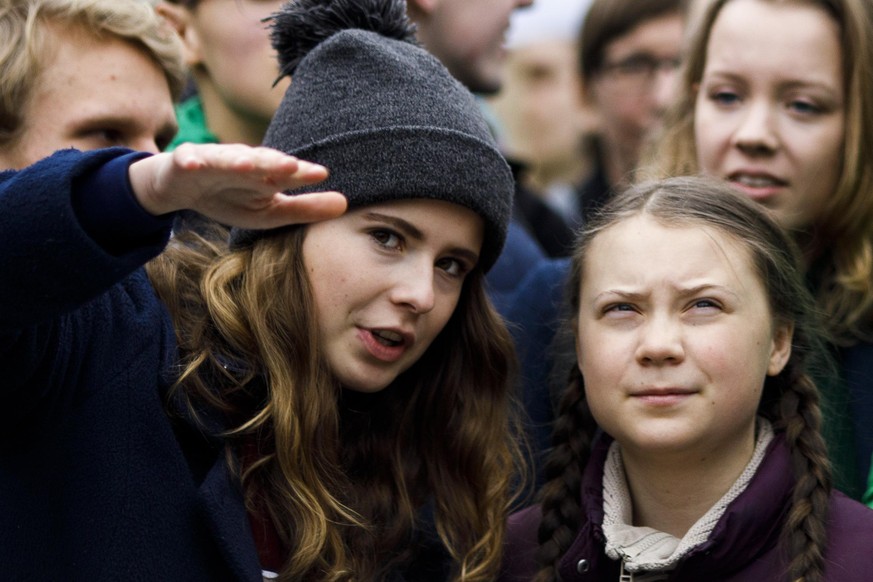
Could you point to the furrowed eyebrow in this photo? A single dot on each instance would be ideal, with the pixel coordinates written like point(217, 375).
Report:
point(619, 294)
point(697, 289)
point(683, 292)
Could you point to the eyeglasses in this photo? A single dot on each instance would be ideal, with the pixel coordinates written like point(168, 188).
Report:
point(639, 69)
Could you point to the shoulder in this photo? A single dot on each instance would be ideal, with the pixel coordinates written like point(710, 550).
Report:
point(519, 551)
point(850, 539)
point(849, 518)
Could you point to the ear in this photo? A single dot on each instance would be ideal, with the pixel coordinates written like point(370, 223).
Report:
point(780, 351)
point(179, 18)
point(421, 7)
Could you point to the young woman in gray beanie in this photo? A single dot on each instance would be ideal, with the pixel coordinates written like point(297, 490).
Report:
point(320, 402)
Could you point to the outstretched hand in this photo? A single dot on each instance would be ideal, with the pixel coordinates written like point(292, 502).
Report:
point(234, 184)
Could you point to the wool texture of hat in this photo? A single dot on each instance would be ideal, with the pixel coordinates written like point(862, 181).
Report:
point(382, 114)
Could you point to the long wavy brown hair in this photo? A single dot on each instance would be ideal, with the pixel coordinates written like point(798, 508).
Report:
point(842, 239)
point(342, 476)
point(790, 400)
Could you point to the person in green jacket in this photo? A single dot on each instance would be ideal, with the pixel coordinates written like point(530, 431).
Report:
point(868, 496)
point(233, 70)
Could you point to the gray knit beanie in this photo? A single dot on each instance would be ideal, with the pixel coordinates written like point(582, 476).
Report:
point(382, 114)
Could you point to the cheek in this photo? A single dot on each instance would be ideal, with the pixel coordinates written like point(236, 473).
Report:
point(628, 114)
point(707, 137)
point(332, 282)
point(737, 369)
point(237, 49)
point(825, 159)
point(601, 358)
point(442, 313)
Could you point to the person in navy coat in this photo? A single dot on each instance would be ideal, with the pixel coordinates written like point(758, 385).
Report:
point(325, 395)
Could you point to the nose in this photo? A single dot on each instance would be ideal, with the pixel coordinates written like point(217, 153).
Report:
point(756, 133)
point(660, 342)
point(414, 288)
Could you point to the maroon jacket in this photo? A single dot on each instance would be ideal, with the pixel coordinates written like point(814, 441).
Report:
point(743, 546)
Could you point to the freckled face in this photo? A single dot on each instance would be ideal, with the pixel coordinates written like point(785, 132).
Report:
point(93, 93)
point(675, 338)
point(386, 279)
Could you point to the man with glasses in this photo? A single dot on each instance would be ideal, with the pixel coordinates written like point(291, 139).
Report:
point(628, 56)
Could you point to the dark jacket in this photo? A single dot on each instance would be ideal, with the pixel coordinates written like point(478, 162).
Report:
point(856, 366)
point(95, 482)
point(550, 230)
point(743, 547)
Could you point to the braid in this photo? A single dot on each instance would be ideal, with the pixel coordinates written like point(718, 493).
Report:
point(804, 533)
point(560, 496)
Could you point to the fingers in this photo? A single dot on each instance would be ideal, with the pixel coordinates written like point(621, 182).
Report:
point(308, 207)
point(238, 158)
point(287, 175)
point(272, 166)
point(218, 177)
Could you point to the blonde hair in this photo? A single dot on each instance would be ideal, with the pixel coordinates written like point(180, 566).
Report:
point(342, 477)
point(843, 233)
point(23, 30)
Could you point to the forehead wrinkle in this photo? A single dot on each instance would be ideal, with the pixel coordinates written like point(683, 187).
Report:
point(717, 238)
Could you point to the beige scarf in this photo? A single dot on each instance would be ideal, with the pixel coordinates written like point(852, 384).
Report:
point(648, 555)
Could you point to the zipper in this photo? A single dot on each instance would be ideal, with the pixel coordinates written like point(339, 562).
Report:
point(624, 575)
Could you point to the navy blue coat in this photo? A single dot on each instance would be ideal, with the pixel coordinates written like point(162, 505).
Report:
point(95, 481)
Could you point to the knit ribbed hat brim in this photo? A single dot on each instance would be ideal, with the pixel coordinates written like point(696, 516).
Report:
point(390, 123)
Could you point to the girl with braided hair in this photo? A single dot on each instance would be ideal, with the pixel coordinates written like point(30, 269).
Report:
point(688, 444)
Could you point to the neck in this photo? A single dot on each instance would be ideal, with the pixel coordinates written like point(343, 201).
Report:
point(670, 492)
point(571, 171)
point(618, 162)
point(228, 125)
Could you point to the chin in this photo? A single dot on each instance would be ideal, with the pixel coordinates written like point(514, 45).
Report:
point(365, 388)
point(366, 385)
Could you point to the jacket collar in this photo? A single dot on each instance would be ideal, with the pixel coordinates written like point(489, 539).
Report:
point(750, 526)
point(219, 497)
point(220, 500)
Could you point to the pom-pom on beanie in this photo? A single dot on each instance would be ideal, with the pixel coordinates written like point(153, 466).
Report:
point(382, 114)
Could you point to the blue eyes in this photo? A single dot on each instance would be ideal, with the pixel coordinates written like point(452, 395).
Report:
point(804, 107)
point(725, 98)
point(731, 99)
point(695, 306)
